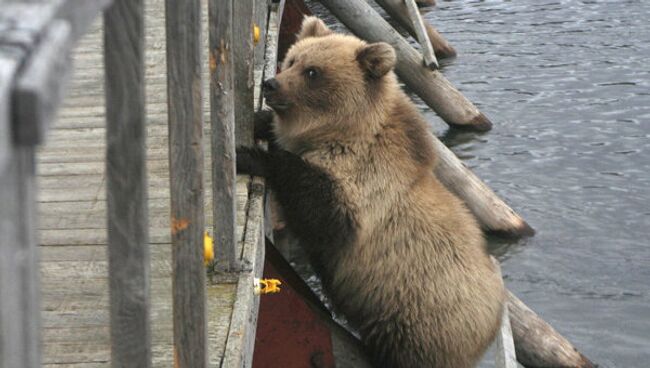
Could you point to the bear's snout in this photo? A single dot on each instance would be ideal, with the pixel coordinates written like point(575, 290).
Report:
point(271, 85)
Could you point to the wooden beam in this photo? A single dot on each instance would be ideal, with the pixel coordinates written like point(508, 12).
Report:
point(242, 52)
point(434, 89)
point(222, 118)
point(493, 214)
point(417, 24)
point(184, 93)
point(126, 184)
point(537, 343)
point(398, 12)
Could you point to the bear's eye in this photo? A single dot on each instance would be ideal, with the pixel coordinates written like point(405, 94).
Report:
point(291, 62)
point(311, 73)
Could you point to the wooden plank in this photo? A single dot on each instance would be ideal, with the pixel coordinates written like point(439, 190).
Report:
point(39, 88)
point(423, 38)
point(242, 52)
point(222, 118)
point(20, 320)
point(19, 280)
point(183, 26)
point(434, 89)
point(126, 183)
point(241, 336)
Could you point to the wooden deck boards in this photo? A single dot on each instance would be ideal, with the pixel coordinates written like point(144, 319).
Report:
point(72, 215)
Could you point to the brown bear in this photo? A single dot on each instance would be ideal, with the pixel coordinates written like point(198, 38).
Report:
point(400, 256)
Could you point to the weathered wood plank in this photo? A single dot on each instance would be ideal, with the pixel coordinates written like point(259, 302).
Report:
point(434, 89)
point(241, 336)
point(222, 119)
point(126, 183)
point(19, 280)
point(242, 53)
point(183, 25)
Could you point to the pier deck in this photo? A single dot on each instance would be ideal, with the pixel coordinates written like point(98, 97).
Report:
point(72, 216)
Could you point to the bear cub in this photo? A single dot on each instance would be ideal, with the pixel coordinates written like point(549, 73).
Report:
point(399, 255)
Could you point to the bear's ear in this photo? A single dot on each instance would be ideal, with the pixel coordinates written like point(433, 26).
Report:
point(377, 59)
point(313, 27)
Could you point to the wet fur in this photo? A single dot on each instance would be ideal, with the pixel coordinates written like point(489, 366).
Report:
point(399, 255)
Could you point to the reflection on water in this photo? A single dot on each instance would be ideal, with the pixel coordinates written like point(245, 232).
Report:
point(567, 86)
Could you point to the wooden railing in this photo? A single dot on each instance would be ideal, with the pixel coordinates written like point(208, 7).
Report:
point(35, 44)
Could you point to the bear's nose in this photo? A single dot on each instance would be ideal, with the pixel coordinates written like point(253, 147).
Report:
point(271, 85)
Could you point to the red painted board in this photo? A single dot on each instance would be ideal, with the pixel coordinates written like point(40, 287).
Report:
point(291, 331)
point(294, 12)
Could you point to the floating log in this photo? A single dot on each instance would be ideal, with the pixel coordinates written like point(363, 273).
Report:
point(417, 23)
point(493, 214)
point(398, 11)
point(434, 89)
point(537, 344)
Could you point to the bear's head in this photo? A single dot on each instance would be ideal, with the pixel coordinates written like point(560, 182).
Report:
point(330, 83)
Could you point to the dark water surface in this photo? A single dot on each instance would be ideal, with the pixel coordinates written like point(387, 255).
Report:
point(567, 86)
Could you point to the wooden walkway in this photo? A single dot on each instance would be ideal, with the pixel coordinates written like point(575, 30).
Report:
point(72, 214)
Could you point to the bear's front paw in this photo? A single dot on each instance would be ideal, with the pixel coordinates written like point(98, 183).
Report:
point(251, 161)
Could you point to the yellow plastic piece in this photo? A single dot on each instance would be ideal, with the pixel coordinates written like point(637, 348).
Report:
point(267, 286)
point(208, 249)
point(256, 34)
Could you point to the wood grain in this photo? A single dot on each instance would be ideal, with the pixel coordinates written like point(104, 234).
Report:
point(222, 118)
point(242, 52)
point(184, 91)
point(126, 183)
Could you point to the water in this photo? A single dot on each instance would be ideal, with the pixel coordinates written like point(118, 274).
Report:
point(567, 86)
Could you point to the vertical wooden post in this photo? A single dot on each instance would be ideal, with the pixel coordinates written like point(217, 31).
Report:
point(242, 31)
point(184, 94)
point(222, 117)
point(126, 184)
point(20, 314)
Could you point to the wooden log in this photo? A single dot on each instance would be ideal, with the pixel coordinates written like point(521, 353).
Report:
point(126, 184)
point(222, 118)
point(242, 52)
point(417, 24)
point(539, 345)
point(493, 214)
point(184, 91)
point(434, 89)
point(398, 11)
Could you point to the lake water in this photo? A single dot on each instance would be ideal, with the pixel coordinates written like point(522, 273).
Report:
point(567, 86)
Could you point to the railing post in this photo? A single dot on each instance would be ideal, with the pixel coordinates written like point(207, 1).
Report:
point(126, 184)
point(184, 96)
point(222, 117)
point(243, 50)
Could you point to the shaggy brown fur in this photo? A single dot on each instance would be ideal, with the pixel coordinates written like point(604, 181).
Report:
point(412, 274)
